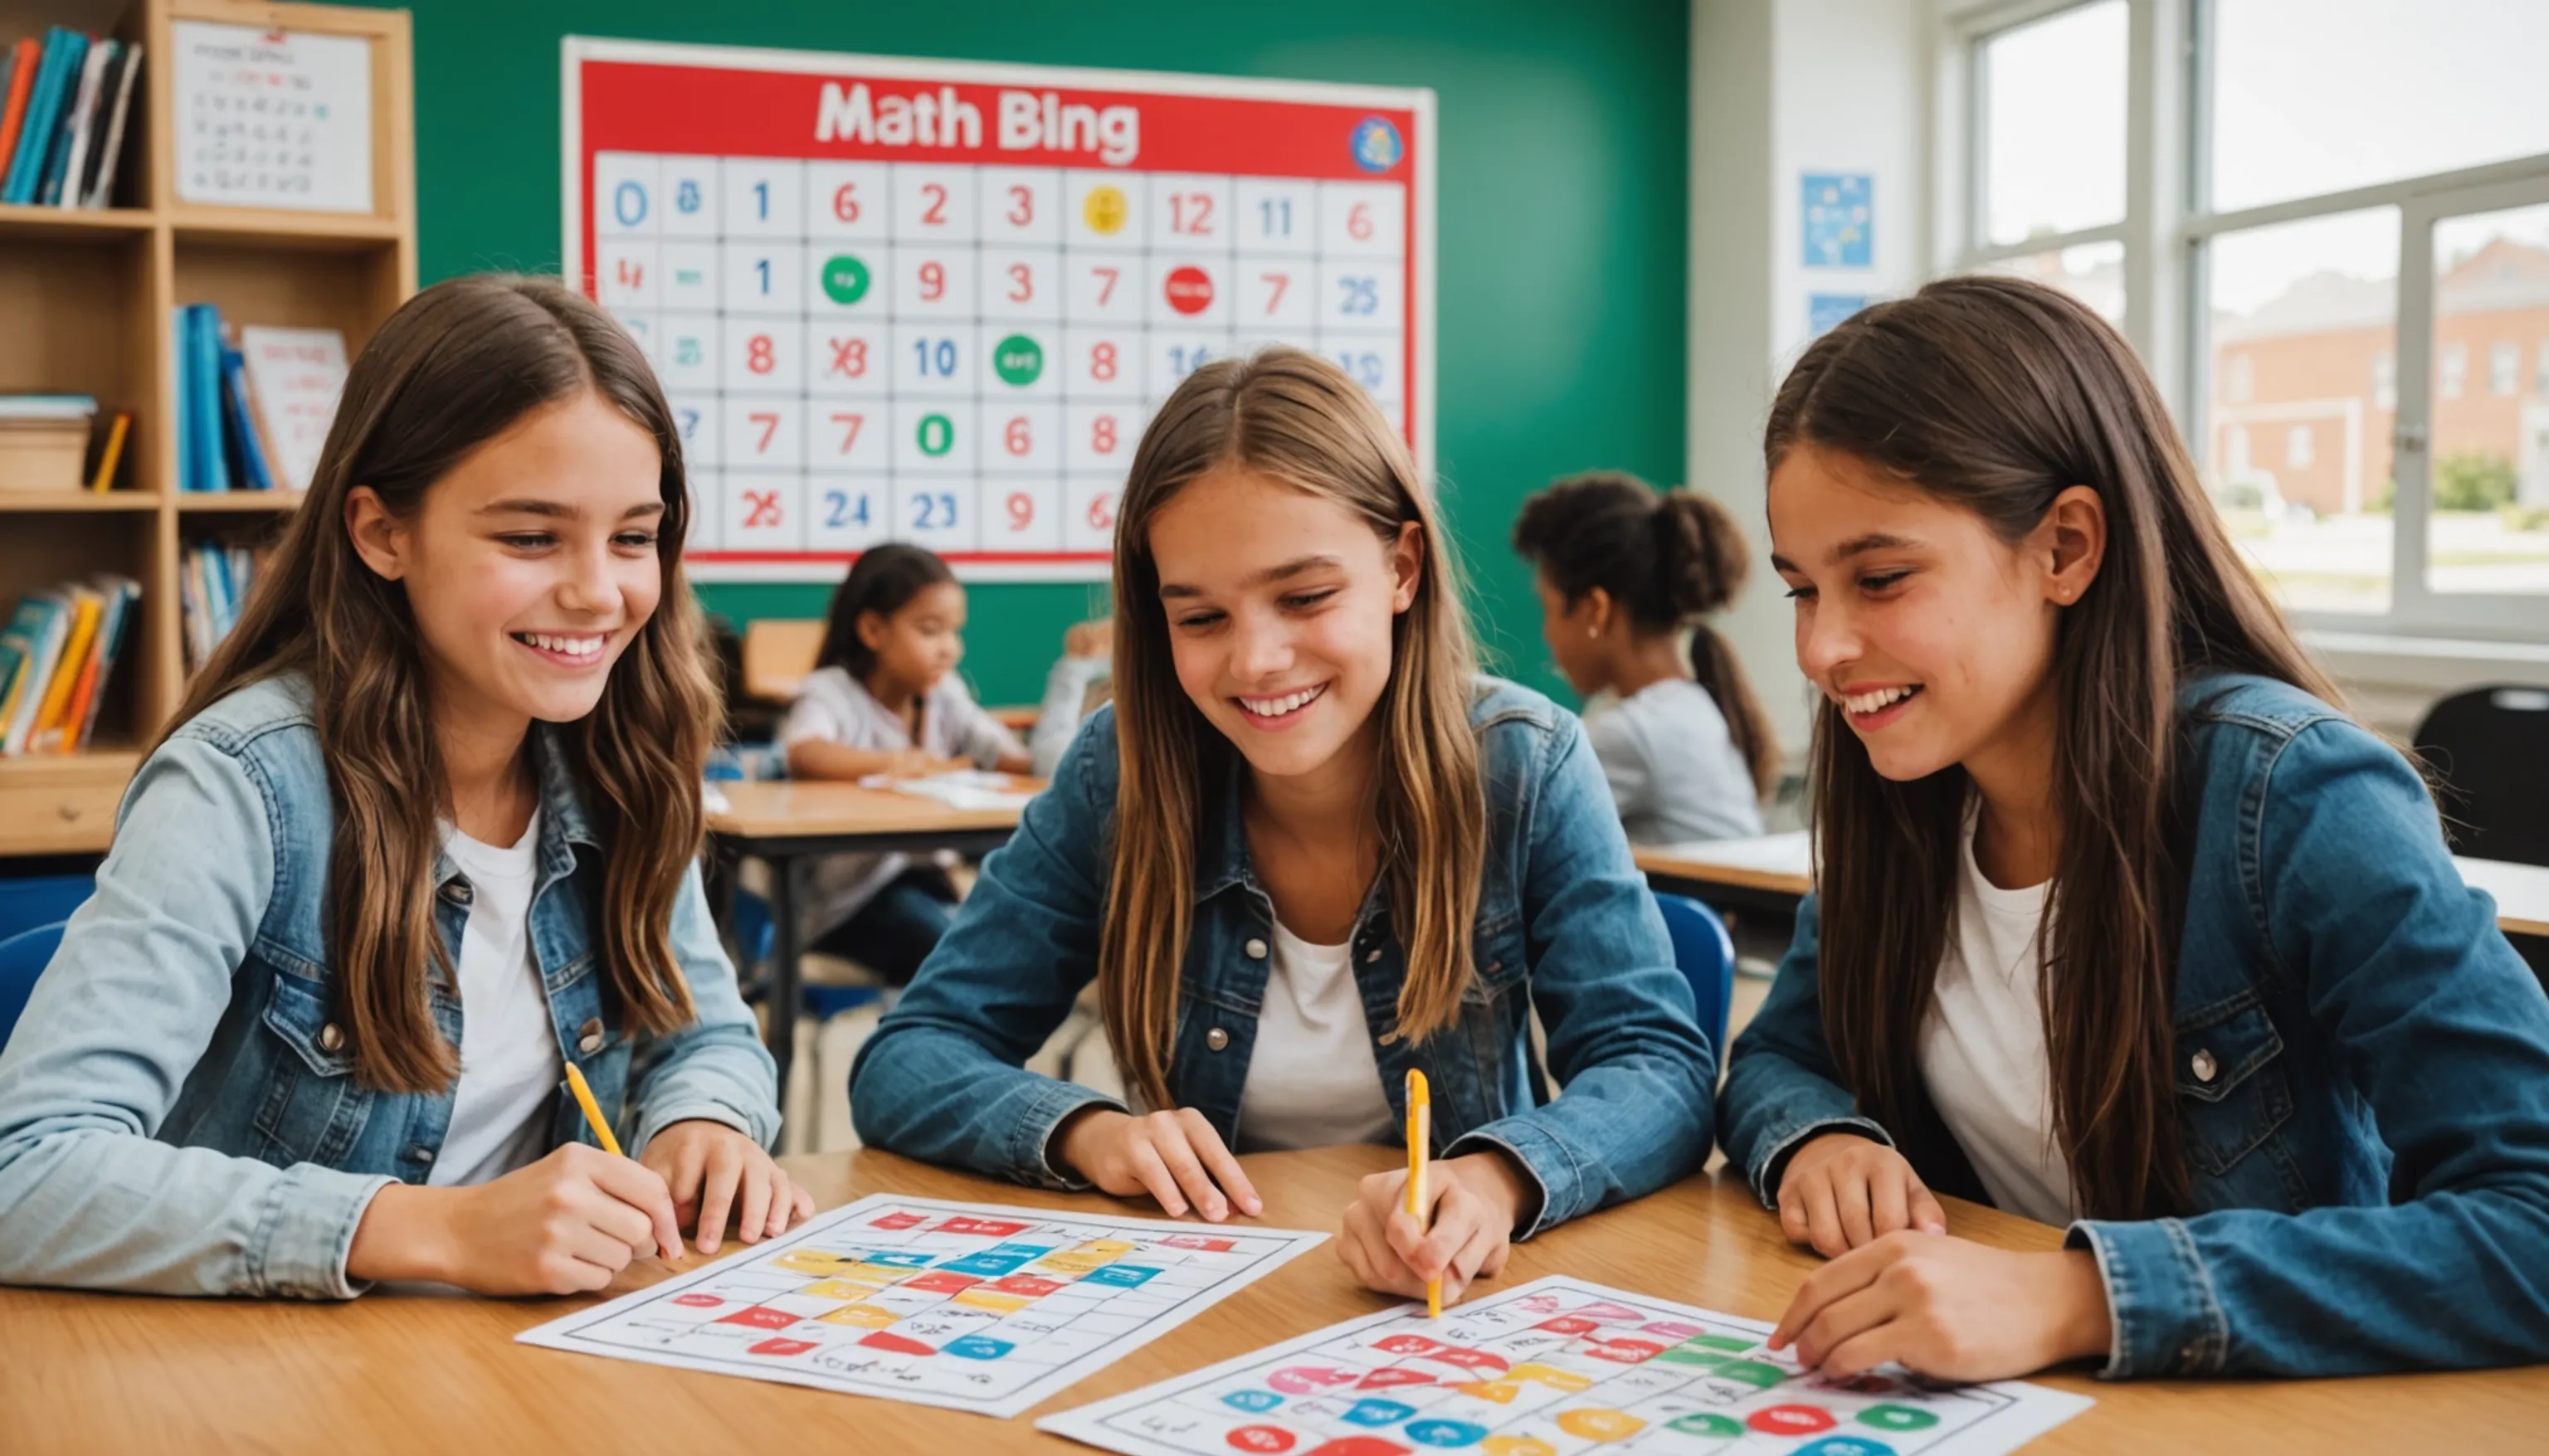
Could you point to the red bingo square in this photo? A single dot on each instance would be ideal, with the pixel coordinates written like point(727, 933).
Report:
point(937, 302)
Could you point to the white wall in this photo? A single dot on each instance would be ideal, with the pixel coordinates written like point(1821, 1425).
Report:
point(1780, 88)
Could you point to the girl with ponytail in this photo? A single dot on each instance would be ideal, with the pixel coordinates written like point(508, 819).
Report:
point(1623, 572)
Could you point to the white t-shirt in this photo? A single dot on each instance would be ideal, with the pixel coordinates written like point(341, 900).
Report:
point(1982, 1047)
point(835, 707)
point(1312, 1080)
point(1675, 771)
point(510, 1065)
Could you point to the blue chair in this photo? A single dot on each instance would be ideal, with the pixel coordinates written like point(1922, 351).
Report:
point(28, 902)
point(23, 957)
point(1705, 954)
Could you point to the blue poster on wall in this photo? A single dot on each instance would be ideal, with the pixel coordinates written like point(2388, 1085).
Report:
point(1839, 220)
point(1826, 310)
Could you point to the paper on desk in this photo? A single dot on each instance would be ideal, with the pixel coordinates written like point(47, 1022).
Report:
point(964, 788)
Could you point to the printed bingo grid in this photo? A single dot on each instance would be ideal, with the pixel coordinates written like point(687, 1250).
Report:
point(965, 356)
point(984, 1309)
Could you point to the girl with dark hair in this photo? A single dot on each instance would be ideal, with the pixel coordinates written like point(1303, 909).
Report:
point(1623, 572)
point(2121, 922)
point(423, 833)
point(885, 699)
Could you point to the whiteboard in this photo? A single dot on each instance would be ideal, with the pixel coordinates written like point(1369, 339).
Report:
point(937, 302)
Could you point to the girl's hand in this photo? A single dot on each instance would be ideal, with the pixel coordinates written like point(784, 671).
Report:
point(1476, 1201)
point(1841, 1192)
point(712, 1169)
point(1948, 1308)
point(1089, 639)
point(1174, 1156)
point(565, 1225)
point(919, 763)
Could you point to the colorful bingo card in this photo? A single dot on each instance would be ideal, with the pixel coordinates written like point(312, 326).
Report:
point(937, 303)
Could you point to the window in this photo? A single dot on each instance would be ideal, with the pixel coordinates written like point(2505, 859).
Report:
point(2324, 224)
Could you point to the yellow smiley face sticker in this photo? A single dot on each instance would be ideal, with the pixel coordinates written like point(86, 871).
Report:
point(1105, 210)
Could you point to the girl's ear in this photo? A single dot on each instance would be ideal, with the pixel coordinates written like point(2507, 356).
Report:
point(1406, 566)
point(871, 629)
point(1597, 608)
point(2072, 538)
point(378, 536)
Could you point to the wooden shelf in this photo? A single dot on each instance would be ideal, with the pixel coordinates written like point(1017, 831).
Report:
point(87, 295)
point(72, 503)
point(236, 503)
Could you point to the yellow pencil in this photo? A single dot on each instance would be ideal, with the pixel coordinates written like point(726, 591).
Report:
point(583, 1091)
point(1419, 1137)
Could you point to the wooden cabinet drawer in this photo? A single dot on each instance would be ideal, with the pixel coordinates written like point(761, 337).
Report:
point(65, 808)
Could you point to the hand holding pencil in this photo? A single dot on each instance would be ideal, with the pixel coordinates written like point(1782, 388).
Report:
point(1428, 1231)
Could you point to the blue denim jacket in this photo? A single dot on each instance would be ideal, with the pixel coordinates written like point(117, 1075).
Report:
point(2363, 1078)
point(1564, 924)
point(177, 1110)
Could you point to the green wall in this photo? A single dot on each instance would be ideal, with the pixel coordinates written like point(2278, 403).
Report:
point(1560, 263)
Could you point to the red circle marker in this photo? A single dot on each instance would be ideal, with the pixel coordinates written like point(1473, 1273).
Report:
point(1790, 1421)
point(1189, 290)
point(1268, 1440)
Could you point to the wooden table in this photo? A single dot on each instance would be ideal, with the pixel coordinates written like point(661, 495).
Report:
point(787, 822)
point(395, 1372)
point(1773, 870)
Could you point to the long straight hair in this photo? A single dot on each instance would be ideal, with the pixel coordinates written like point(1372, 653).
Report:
point(1294, 418)
point(456, 366)
point(1997, 395)
point(1668, 559)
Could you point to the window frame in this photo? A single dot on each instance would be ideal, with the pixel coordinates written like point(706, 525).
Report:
point(2166, 232)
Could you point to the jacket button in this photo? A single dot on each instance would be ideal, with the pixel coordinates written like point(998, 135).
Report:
point(1256, 950)
point(1372, 956)
point(1216, 1038)
point(2204, 1068)
point(458, 892)
point(331, 1038)
point(588, 1037)
point(419, 1153)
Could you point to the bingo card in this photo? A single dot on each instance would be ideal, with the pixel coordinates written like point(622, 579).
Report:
point(1554, 1368)
point(937, 302)
point(981, 1308)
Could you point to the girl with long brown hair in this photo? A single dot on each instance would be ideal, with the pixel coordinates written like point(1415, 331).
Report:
point(1307, 850)
point(2122, 922)
point(423, 836)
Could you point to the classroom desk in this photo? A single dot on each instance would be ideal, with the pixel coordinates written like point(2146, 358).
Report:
point(395, 1373)
point(1771, 872)
point(786, 822)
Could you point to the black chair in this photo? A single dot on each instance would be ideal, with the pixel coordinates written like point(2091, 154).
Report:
point(2488, 751)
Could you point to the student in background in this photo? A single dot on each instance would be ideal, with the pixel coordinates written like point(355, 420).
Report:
point(1072, 690)
point(885, 699)
point(424, 831)
point(1306, 849)
point(2122, 922)
point(1622, 572)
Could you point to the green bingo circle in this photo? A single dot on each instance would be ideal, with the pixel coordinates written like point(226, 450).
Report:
point(1019, 360)
point(845, 280)
point(1897, 1417)
point(937, 435)
point(1705, 1423)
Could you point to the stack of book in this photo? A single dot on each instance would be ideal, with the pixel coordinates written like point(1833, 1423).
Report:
point(220, 445)
point(212, 584)
point(55, 660)
point(49, 441)
point(62, 127)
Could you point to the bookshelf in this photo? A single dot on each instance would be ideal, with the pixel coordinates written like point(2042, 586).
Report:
point(89, 295)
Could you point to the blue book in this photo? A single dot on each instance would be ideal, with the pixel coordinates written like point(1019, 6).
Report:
point(57, 165)
point(242, 422)
point(36, 132)
point(204, 383)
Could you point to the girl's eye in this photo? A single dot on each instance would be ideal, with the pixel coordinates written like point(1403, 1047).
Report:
point(1199, 619)
point(1800, 593)
point(1305, 599)
point(1882, 581)
point(527, 540)
point(635, 540)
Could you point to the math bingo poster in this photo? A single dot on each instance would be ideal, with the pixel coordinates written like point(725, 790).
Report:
point(938, 303)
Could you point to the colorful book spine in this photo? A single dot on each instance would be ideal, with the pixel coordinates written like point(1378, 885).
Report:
point(64, 53)
point(25, 58)
point(42, 620)
point(111, 97)
point(257, 471)
point(110, 456)
point(121, 593)
point(102, 195)
point(71, 135)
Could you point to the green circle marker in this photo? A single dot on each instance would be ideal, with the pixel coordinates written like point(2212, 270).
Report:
point(1754, 1373)
point(1703, 1423)
point(937, 435)
point(1019, 360)
point(845, 280)
point(1897, 1417)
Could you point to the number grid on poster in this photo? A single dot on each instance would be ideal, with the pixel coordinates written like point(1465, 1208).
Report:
point(933, 303)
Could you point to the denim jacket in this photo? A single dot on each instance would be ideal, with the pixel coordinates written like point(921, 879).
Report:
point(2362, 1077)
point(177, 1108)
point(1564, 923)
